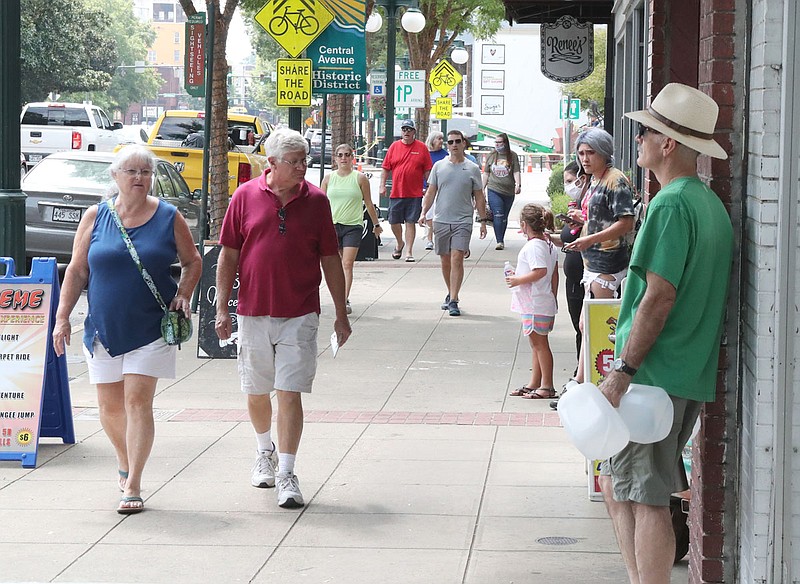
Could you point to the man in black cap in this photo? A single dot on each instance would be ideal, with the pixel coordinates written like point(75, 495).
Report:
point(410, 163)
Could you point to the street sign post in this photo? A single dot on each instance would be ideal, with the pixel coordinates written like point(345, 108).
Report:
point(194, 65)
point(444, 108)
point(444, 77)
point(571, 111)
point(294, 83)
point(409, 88)
point(294, 24)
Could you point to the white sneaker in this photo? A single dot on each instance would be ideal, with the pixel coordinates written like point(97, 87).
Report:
point(288, 489)
point(263, 474)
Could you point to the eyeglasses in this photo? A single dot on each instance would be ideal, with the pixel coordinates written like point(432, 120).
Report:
point(456, 141)
point(131, 172)
point(299, 163)
point(644, 129)
point(344, 154)
point(282, 217)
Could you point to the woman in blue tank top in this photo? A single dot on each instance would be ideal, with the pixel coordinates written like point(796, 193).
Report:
point(124, 350)
point(348, 192)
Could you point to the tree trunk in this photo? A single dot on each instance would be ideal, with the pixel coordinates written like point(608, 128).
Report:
point(218, 146)
point(340, 110)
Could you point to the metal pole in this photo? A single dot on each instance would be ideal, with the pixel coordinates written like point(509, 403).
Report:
point(212, 11)
point(324, 138)
point(12, 199)
point(391, 39)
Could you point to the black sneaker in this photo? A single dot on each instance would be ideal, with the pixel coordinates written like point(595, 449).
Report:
point(453, 308)
point(446, 303)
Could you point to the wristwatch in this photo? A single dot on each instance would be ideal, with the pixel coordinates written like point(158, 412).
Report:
point(621, 366)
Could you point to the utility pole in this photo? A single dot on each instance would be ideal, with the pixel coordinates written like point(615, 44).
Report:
point(12, 199)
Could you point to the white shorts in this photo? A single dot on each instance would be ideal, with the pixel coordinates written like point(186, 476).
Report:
point(613, 285)
point(277, 353)
point(157, 359)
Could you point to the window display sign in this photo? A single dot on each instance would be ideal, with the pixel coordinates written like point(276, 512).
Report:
point(30, 368)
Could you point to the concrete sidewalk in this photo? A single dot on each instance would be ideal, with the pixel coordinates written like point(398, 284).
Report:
point(415, 464)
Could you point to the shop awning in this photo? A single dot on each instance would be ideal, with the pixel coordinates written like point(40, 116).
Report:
point(528, 144)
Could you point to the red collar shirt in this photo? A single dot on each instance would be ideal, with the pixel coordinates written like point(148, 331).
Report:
point(279, 273)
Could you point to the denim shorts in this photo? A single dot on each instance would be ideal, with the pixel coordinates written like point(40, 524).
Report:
point(405, 210)
point(646, 473)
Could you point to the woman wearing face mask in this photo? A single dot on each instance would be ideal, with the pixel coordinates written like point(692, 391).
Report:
point(573, 263)
point(501, 179)
point(607, 208)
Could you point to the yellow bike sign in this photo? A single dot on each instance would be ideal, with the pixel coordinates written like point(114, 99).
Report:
point(444, 77)
point(294, 24)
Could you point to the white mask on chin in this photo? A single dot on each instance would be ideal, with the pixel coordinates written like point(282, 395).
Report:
point(573, 190)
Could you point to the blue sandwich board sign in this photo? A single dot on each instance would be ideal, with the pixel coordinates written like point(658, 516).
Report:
point(34, 387)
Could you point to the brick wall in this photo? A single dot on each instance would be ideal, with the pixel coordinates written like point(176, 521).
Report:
point(712, 513)
point(759, 276)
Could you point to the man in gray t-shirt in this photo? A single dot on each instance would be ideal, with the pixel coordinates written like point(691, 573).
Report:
point(453, 183)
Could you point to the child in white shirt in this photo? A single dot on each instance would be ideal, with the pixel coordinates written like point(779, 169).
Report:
point(534, 286)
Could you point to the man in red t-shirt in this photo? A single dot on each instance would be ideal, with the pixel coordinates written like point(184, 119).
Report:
point(277, 232)
point(410, 163)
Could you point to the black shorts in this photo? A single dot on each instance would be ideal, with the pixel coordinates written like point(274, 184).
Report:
point(349, 235)
point(405, 210)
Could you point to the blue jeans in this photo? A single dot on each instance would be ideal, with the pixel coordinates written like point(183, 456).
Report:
point(501, 207)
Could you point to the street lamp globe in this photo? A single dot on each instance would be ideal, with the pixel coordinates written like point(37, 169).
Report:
point(413, 20)
point(374, 22)
point(459, 55)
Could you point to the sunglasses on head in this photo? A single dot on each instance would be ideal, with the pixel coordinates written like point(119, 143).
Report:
point(644, 129)
point(456, 141)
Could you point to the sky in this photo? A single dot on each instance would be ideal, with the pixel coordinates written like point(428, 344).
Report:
point(238, 46)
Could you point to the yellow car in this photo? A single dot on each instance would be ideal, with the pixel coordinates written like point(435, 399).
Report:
point(178, 137)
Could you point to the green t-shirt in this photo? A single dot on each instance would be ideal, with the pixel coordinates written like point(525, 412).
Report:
point(687, 239)
point(347, 201)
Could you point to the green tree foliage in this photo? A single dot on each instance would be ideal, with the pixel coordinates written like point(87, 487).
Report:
point(445, 20)
point(593, 88)
point(66, 46)
point(132, 38)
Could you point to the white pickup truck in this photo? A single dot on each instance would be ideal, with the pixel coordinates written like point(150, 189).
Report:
point(46, 128)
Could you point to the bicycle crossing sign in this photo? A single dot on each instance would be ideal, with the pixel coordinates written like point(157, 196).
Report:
point(294, 24)
point(444, 77)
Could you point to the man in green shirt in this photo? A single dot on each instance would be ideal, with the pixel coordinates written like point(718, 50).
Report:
point(670, 321)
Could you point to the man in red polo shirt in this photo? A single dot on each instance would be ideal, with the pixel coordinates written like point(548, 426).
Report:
point(277, 232)
point(410, 163)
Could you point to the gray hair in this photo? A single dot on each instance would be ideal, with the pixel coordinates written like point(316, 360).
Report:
point(598, 140)
point(135, 152)
point(285, 140)
point(431, 137)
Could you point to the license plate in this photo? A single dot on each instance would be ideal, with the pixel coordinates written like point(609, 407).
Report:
point(66, 215)
point(34, 157)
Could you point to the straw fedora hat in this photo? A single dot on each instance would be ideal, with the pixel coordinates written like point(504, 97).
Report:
point(685, 115)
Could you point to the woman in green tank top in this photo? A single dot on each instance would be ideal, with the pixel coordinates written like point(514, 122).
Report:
point(349, 192)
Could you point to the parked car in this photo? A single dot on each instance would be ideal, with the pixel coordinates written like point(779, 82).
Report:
point(62, 186)
point(50, 127)
point(314, 138)
point(178, 136)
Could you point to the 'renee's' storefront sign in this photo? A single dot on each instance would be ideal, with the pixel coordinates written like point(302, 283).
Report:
point(567, 50)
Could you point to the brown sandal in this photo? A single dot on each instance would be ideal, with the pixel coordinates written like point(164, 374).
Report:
point(522, 391)
point(551, 393)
